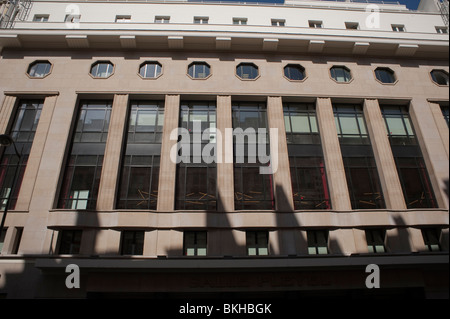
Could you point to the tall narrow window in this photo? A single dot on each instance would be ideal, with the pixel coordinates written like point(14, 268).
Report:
point(132, 243)
point(18, 231)
point(257, 243)
point(362, 176)
point(84, 166)
point(22, 132)
point(196, 173)
point(69, 242)
point(253, 190)
point(195, 243)
point(375, 240)
point(317, 242)
point(309, 182)
point(411, 167)
point(431, 238)
point(138, 187)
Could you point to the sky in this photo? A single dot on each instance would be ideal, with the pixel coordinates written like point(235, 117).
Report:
point(411, 4)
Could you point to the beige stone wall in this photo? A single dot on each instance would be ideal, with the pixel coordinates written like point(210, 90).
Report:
point(69, 82)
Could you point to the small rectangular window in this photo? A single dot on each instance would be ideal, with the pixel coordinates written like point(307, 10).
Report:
point(241, 21)
point(375, 240)
point(123, 19)
point(17, 240)
point(162, 19)
point(278, 22)
point(257, 243)
point(315, 24)
point(69, 242)
point(72, 18)
point(352, 25)
point(2, 239)
point(41, 18)
point(398, 28)
point(201, 20)
point(317, 242)
point(431, 238)
point(132, 243)
point(195, 243)
point(442, 30)
point(445, 113)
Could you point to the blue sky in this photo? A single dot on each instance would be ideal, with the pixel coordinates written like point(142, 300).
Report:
point(411, 4)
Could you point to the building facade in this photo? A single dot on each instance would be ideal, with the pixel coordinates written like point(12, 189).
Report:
point(135, 124)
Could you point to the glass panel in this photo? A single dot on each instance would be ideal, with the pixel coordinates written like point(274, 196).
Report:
point(380, 249)
point(263, 251)
point(146, 121)
point(300, 123)
point(395, 125)
point(94, 120)
point(313, 121)
point(349, 124)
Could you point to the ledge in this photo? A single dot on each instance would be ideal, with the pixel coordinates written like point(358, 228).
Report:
point(249, 264)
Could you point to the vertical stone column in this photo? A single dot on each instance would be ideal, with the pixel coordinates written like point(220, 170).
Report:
point(337, 182)
point(390, 182)
point(225, 174)
point(34, 159)
point(113, 150)
point(37, 238)
point(6, 112)
point(435, 156)
point(279, 155)
point(168, 168)
point(441, 124)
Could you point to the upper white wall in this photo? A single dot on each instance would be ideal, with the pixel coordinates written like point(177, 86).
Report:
point(223, 14)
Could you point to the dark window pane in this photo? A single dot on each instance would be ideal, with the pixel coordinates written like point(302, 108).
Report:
point(440, 77)
point(317, 242)
point(70, 242)
point(363, 183)
point(375, 240)
point(132, 243)
point(257, 243)
point(294, 72)
point(195, 243)
point(385, 75)
point(415, 182)
point(431, 238)
point(309, 183)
